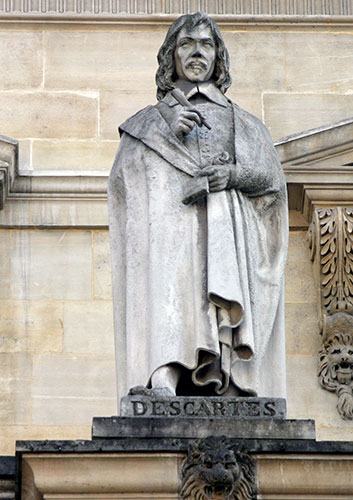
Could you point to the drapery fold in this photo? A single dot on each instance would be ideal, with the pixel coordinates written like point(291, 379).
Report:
point(198, 285)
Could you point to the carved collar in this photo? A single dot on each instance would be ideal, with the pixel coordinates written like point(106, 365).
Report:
point(190, 89)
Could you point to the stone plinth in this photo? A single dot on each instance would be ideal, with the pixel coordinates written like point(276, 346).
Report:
point(195, 428)
point(198, 407)
point(150, 468)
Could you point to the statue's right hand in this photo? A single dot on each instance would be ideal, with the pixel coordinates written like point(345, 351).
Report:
point(184, 121)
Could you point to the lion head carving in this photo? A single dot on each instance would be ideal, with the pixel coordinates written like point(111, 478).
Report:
point(335, 370)
point(213, 469)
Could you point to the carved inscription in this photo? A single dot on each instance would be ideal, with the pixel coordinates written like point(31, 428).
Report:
point(144, 406)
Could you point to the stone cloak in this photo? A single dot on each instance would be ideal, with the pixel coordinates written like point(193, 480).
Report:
point(191, 283)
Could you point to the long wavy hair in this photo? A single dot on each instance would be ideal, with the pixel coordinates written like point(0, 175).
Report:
point(166, 76)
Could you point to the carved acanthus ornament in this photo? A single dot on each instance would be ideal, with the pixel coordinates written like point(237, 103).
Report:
point(215, 469)
point(331, 241)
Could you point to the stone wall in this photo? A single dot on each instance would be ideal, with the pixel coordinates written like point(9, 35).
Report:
point(64, 89)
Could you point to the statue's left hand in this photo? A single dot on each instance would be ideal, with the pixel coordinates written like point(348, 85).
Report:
point(219, 176)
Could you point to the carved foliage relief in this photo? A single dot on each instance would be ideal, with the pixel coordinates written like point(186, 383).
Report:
point(331, 242)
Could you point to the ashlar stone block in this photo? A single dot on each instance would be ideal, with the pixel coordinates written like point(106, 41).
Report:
point(73, 155)
point(88, 327)
point(15, 394)
point(257, 60)
point(71, 389)
point(31, 326)
point(302, 329)
point(51, 264)
point(116, 107)
point(251, 102)
point(319, 62)
point(291, 113)
point(102, 265)
point(299, 283)
point(48, 114)
point(111, 60)
point(21, 60)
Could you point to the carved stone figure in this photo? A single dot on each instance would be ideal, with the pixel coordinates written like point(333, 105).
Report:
point(214, 469)
point(331, 242)
point(198, 220)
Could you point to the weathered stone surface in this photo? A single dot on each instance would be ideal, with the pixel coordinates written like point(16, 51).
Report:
point(70, 389)
point(251, 102)
point(151, 427)
point(21, 60)
point(102, 266)
point(11, 433)
point(88, 327)
point(116, 107)
point(51, 265)
point(15, 380)
point(111, 59)
point(73, 155)
point(290, 113)
point(302, 329)
point(172, 328)
point(322, 62)
point(300, 286)
point(48, 114)
point(62, 212)
point(210, 407)
point(246, 49)
point(8, 166)
point(31, 326)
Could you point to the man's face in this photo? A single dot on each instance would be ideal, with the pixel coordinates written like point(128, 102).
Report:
point(195, 54)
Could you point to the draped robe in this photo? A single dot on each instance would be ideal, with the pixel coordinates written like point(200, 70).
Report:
point(199, 285)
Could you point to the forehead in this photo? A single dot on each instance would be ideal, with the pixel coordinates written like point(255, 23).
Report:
point(198, 33)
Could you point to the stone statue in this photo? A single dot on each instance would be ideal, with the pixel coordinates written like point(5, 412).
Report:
point(198, 220)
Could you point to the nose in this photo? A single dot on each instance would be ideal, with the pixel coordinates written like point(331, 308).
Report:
point(197, 50)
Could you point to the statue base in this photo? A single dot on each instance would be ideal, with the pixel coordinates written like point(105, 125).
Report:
point(151, 417)
point(199, 407)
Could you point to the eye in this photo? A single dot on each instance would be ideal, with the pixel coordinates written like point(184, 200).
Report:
point(229, 465)
point(208, 465)
point(184, 43)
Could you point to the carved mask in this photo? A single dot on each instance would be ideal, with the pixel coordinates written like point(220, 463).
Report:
point(341, 363)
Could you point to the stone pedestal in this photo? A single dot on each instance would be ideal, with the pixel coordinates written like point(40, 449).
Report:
point(143, 457)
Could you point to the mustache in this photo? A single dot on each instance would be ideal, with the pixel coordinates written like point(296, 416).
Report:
point(199, 63)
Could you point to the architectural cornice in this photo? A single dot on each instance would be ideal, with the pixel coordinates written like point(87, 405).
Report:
point(311, 146)
point(333, 12)
point(8, 166)
point(309, 187)
point(79, 199)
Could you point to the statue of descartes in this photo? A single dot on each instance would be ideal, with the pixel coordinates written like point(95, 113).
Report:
point(198, 220)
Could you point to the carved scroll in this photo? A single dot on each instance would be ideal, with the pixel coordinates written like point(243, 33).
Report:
point(214, 469)
point(331, 241)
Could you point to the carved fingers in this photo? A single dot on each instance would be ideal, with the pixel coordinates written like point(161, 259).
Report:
point(185, 121)
point(218, 176)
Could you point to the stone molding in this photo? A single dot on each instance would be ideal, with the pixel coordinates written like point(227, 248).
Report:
point(8, 166)
point(150, 476)
point(151, 11)
point(79, 199)
point(310, 147)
